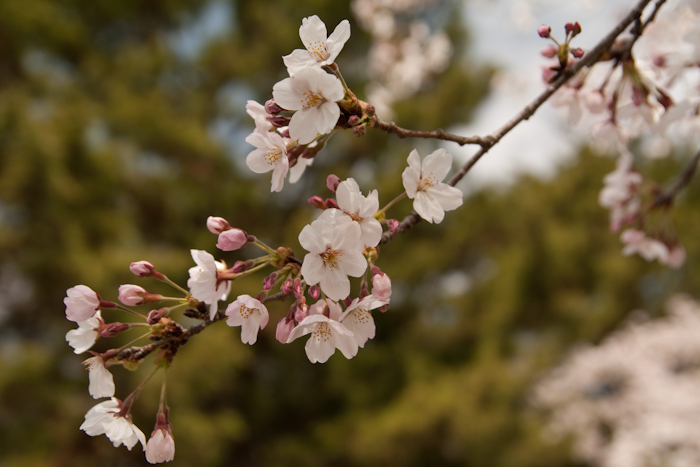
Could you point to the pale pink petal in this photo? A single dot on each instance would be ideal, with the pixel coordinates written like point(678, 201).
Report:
point(302, 126)
point(312, 31)
point(438, 163)
point(353, 263)
point(335, 284)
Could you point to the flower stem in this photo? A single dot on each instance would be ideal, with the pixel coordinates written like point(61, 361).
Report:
point(265, 248)
point(129, 310)
point(390, 204)
point(167, 280)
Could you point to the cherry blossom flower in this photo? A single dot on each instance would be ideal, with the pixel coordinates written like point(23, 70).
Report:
point(299, 168)
point(636, 241)
point(312, 94)
point(81, 303)
point(160, 447)
point(203, 282)
point(271, 154)
point(284, 329)
point(320, 49)
point(333, 242)
point(358, 318)
point(101, 380)
point(250, 314)
point(216, 225)
point(105, 418)
point(621, 192)
point(259, 114)
point(361, 209)
point(86, 335)
point(423, 182)
point(327, 334)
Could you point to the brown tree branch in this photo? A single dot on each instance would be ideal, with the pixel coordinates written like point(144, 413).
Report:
point(491, 140)
point(667, 197)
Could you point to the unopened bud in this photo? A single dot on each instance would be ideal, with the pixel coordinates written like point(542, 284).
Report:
point(142, 269)
point(284, 329)
point(131, 295)
point(576, 30)
point(568, 27)
point(216, 225)
point(353, 120)
point(550, 51)
point(269, 281)
point(317, 202)
point(154, 316)
point(394, 225)
point(375, 270)
point(113, 329)
point(384, 308)
point(285, 133)
point(315, 292)
point(272, 108)
point(278, 121)
point(381, 287)
point(370, 110)
point(332, 182)
point(296, 289)
point(544, 31)
point(286, 287)
point(232, 239)
point(359, 130)
point(331, 203)
point(577, 53)
point(240, 266)
point(301, 312)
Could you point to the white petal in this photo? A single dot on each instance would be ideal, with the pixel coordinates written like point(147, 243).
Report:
point(447, 196)
point(298, 60)
point(348, 196)
point(302, 126)
point(371, 231)
point(344, 341)
point(410, 181)
point(257, 162)
point(337, 39)
point(427, 208)
point(313, 268)
point(335, 284)
point(438, 163)
point(353, 263)
point(312, 30)
point(311, 238)
point(327, 117)
point(278, 175)
point(286, 94)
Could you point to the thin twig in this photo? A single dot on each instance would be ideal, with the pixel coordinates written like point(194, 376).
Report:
point(667, 197)
point(589, 59)
point(391, 127)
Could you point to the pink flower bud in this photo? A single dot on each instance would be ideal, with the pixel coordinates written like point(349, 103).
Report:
point(550, 51)
point(576, 29)
point(353, 120)
point(142, 269)
point(332, 182)
point(269, 281)
point(577, 53)
point(548, 74)
point(375, 270)
point(131, 295)
point(568, 27)
point(381, 287)
point(317, 202)
point(160, 447)
point(370, 110)
point(285, 133)
point(359, 130)
point(81, 303)
point(154, 316)
point(301, 312)
point(272, 108)
point(216, 225)
point(384, 308)
point(331, 203)
point(394, 225)
point(286, 287)
point(544, 31)
point(113, 329)
point(240, 266)
point(232, 239)
point(278, 121)
point(296, 289)
point(284, 329)
point(314, 291)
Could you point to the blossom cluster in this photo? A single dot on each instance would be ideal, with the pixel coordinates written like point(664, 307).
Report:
point(633, 399)
point(648, 94)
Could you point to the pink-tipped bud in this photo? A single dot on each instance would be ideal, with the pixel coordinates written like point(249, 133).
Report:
point(132, 295)
point(272, 108)
point(113, 329)
point(568, 27)
point(394, 225)
point(332, 182)
point(286, 287)
point(359, 131)
point(381, 287)
point(278, 121)
point(269, 281)
point(315, 292)
point(284, 329)
point(331, 203)
point(550, 51)
point(370, 110)
point(285, 133)
point(659, 61)
point(364, 291)
point(142, 269)
point(576, 29)
point(544, 31)
point(216, 225)
point(240, 266)
point(577, 53)
point(296, 289)
point(548, 74)
point(301, 312)
point(232, 239)
point(353, 120)
point(154, 316)
point(384, 308)
point(375, 270)
point(317, 202)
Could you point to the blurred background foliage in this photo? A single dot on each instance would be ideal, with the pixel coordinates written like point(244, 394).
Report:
point(122, 128)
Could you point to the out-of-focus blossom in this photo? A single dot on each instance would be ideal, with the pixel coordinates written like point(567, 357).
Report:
point(105, 418)
point(270, 155)
point(361, 209)
point(203, 282)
